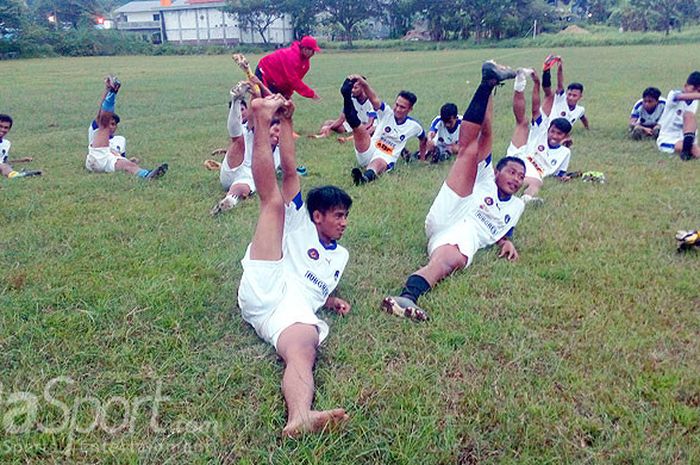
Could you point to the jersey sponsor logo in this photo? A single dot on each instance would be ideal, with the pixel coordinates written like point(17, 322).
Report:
point(313, 254)
point(385, 147)
point(507, 219)
point(535, 164)
point(325, 290)
point(387, 129)
point(486, 220)
point(488, 201)
point(540, 148)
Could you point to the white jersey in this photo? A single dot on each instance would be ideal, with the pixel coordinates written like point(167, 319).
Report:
point(546, 160)
point(390, 137)
point(249, 136)
point(672, 119)
point(443, 136)
point(492, 218)
point(116, 143)
point(310, 265)
point(365, 111)
point(560, 109)
point(643, 117)
point(4, 150)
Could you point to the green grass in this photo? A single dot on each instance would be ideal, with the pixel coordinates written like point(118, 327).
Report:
point(585, 351)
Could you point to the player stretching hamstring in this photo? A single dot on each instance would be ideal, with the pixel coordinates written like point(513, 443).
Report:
point(470, 212)
point(379, 152)
point(292, 266)
point(678, 123)
point(5, 167)
point(100, 157)
point(537, 142)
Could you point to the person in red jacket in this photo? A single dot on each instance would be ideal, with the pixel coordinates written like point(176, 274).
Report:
point(282, 71)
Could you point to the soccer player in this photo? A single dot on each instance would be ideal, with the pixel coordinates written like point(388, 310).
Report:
point(469, 212)
point(443, 137)
point(379, 152)
point(292, 266)
point(646, 113)
point(364, 110)
point(101, 157)
point(562, 104)
point(5, 167)
point(235, 172)
point(678, 123)
point(537, 141)
point(282, 71)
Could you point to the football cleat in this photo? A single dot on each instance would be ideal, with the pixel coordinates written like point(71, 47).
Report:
point(493, 73)
point(157, 172)
point(113, 83)
point(550, 61)
point(226, 204)
point(593, 176)
point(358, 177)
point(239, 90)
point(687, 240)
point(401, 306)
point(28, 174)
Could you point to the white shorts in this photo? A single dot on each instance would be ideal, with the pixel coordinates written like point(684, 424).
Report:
point(269, 305)
point(519, 152)
point(101, 160)
point(238, 175)
point(346, 127)
point(444, 224)
point(667, 143)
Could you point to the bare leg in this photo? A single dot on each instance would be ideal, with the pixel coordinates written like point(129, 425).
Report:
point(267, 239)
point(522, 127)
point(532, 186)
point(378, 165)
point(5, 169)
point(486, 134)
point(444, 261)
point(297, 347)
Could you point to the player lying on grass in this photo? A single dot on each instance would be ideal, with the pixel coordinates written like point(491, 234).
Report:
point(443, 137)
point(646, 113)
point(365, 112)
point(470, 211)
point(379, 152)
point(101, 157)
point(292, 266)
point(536, 140)
point(562, 104)
point(678, 124)
point(235, 172)
point(5, 166)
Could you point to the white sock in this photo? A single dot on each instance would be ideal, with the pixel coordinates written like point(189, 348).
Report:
point(526, 198)
point(235, 127)
point(520, 80)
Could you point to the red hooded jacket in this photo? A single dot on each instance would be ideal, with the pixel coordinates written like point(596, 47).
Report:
point(284, 69)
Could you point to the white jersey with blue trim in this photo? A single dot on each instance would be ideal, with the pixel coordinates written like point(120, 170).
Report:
point(4, 150)
point(390, 137)
point(443, 136)
point(116, 143)
point(248, 139)
point(489, 217)
point(314, 267)
point(643, 117)
point(560, 109)
point(672, 119)
point(365, 111)
point(546, 160)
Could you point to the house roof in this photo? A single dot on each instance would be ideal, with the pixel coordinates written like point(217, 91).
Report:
point(154, 5)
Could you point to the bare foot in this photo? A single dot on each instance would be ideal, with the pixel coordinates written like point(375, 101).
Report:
point(267, 106)
point(316, 422)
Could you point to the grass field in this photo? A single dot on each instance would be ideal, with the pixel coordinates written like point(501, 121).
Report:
point(115, 291)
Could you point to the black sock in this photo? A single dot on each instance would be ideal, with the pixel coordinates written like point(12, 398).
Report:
point(415, 287)
point(477, 107)
point(688, 139)
point(547, 79)
point(370, 175)
point(348, 107)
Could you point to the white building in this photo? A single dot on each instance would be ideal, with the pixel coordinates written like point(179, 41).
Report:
point(198, 22)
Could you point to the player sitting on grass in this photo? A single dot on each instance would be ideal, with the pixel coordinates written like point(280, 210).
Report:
point(292, 266)
point(470, 212)
point(5, 167)
point(646, 113)
point(379, 152)
point(235, 173)
point(678, 123)
point(443, 137)
point(101, 158)
point(562, 104)
point(365, 112)
point(537, 141)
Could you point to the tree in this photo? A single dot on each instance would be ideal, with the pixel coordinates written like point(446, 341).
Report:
point(258, 14)
point(11, 14)
point(303, 13)
point(64, 12)
point(399, 15)
point(348, 13)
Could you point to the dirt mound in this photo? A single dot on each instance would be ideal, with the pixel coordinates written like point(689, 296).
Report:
point(574, 29)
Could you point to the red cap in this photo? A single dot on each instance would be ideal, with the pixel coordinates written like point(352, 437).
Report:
point(309, 42)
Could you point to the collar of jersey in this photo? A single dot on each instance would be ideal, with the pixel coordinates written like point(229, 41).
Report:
point(504, 199)
point(553, 146)
point(331, 246)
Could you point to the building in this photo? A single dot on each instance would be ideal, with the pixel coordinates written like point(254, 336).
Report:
point(195, 22)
